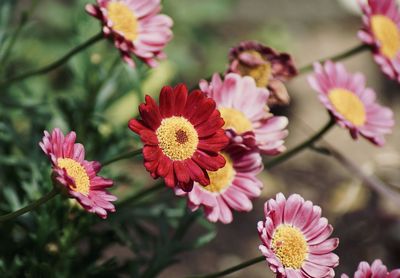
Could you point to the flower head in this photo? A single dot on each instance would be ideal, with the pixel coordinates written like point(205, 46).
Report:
point(75, 174)
point(381, 31)
point(268, 68)
point(242, 106)
point(135, 26)
point(351, 103)
point(376, 270)
point(182, 137)
point(295, 238)
point(231, 187)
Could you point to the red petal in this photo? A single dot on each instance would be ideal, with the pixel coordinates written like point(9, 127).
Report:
point(151, 153)
point(150, 113)
point(136, 126)
point(203, 111)
point(165, 166)
point(148, 137)
point(208, 127)
point(187, 187)
point(214, 143)
point(170, 180)
point(196, 173)
point(181, 172)
point(193, 102)
point(181, 95)
point(167, 101)
point(211, 162)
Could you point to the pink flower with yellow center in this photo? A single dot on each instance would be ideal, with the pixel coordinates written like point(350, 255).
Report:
point(376, 270)
point(135, 26)
point(295, 238)
point(242, 106)
point(231, 187)
point(381, 30)
point(269, 68)
point(75, 174)
point(351, 103)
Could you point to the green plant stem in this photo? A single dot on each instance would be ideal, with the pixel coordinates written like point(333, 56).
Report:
point(232, 269)
point(30, 207)
point(121, 157)
point(306, 144)
point(355, 50)
point(56, 63)
point(140, 194)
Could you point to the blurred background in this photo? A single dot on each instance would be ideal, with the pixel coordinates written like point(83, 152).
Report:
point(367, 224)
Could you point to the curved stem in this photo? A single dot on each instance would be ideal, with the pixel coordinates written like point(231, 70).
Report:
point(338, 57)
point(56, 63)
point(232, 269)
point(121, 157)
point(30, 207)
point(140, 194)
point(308, 143)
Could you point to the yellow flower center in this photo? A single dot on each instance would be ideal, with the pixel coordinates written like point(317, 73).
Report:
point(290, 246)
point(348, 105)
point(222, 178)
point(387, 33)
point(260, 73)
point(177, 138)
point(235, 120)
point(123, 19)
point(76, 171)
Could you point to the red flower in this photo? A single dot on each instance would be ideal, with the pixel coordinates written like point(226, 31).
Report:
point(182, 137)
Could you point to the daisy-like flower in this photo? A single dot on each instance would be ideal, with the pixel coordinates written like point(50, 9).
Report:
point(242, 106)
point(182, 137)
point(77, 176)
point(351, 103)
point(268, 67)
point(295, 238)
point(135, 26)
point(381, 31)
point(376, 270)
point(231, 187)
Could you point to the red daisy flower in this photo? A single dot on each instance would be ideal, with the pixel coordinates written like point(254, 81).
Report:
point(182, 137)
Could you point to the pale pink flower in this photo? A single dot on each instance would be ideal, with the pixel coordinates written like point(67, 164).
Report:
point(77, 176)
point(231, 188)
point(352, 104)
point(376, 270)
point(135, 26)
point(242, 106)
point(381, 31)
point(295, 238)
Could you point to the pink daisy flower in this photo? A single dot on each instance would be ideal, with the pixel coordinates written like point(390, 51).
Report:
point(295, 238)
point(75, 174)
point(242, 106)
point(376, 270)
point(381, 20)
point(351, 104)
point(135, 26)
point(268, 67)
point(231, 187)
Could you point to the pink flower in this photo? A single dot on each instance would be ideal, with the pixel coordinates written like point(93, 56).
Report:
point(268, 67)
point(295, 238)
point(351, 103)
point(77, 175)
point(376, 270)
point(242, 106)
point(231, 187)
point(381, 31)
point(135, 26)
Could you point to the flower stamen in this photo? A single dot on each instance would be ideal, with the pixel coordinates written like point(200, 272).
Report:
point(78, 173)
point(123, 19)
point(349, 105)
point(387, 33)
point(236, 120)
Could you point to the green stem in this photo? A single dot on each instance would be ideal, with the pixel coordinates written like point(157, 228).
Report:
point(308, 143)
point(30, 207)
point(56, 63)
point(121, 157)
point(232, 269)
point(338, 57)
point(140, 194)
